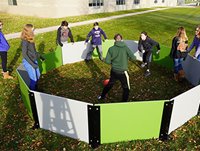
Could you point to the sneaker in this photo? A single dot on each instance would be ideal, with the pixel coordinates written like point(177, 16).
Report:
point(147, 73)
point(143, 65)
point(87, 60)
point(100, 97)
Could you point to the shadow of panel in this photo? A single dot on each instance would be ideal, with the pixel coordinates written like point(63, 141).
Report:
point(23, 83)
point(64, 116)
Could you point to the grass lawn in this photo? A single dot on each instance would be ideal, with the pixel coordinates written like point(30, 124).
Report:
point(84, 81)
point(11, 26)
point(15, 123)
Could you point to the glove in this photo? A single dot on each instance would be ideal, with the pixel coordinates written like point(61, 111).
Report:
point(143, 51)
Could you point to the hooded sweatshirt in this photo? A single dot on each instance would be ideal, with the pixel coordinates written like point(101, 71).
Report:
point(4, 46)
point(96, 36)
point(196, 44)
point(118, 56)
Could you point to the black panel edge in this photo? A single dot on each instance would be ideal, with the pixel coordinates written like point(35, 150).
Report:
point(166, 117)
point(198, 112)
point(94, 125)
point(34, 110)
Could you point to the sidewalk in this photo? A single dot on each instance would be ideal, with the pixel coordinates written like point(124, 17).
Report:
point(53, 28)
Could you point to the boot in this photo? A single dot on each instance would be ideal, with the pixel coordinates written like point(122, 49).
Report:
point(176, 77)
point(181, 74)
point(6, 75)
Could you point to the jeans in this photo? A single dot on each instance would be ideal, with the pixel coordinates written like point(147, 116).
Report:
point(198, 57)
point(34, 74)
point(99, 51)
point(178, 65)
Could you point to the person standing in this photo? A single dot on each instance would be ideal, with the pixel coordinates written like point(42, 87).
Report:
point(96, 41)
point(117, 57)
point(196, 43)
point(146, 45)
point(178, 52)
point(4, 47)
point(30, 55)
point(63, 33)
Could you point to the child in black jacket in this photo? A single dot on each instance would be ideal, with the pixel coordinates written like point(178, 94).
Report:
point(145, 45)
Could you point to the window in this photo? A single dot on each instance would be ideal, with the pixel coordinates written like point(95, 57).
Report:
point(136, 2)
point(95, 3)
point(155, 1)
point(120, 2)
point(12, 2)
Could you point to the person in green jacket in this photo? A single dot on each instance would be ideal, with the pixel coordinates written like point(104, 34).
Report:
point(117, 57)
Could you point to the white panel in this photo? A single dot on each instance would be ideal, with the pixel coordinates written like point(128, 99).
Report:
point(133, 45)
point(185, 107)
point(77, 52)
point(74, 52)
point(191, 67)
point(64, 116)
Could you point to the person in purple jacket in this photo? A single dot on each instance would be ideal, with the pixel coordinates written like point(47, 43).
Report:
point(196, 43)
point(96, 41)
point(4, 47)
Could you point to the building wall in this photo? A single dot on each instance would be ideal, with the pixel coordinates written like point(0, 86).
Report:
point(62, 8)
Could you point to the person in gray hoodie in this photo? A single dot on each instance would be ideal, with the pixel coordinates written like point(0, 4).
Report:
point(117, 57)
point(63, 33)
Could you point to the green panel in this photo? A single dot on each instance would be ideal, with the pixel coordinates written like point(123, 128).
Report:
point(25, 94)
point(52, 60)
point(105, 46)
point(163, 58)
point(130, 121)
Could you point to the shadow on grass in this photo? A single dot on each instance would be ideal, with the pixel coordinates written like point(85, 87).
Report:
point(15, 59)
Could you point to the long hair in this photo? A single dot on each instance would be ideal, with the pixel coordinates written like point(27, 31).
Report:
point(27, 33)
point(181, 34)
point(198, 34)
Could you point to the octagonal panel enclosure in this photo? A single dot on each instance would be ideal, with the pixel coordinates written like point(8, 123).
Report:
point(110, 122)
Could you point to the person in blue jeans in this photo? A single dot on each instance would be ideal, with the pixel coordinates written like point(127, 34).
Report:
point(4, 47)
point(196, 43)
point(96, 41)
point(30, 55)
point(179, 52)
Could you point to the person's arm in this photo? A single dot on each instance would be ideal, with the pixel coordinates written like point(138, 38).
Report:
point(88, 36)
point(70, 35)
point(25, 52)
point(173, 48)
point(140, 47)
point(58, 37)
point(191, 46)
point(103, 33)
point(130, 54)
point(108, 57)
point(154, 43)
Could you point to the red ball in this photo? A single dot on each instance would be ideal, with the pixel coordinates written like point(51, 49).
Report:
point(105, 82)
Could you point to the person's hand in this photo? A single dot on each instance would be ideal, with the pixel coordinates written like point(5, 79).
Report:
point(157, 52)
point(143, 51)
